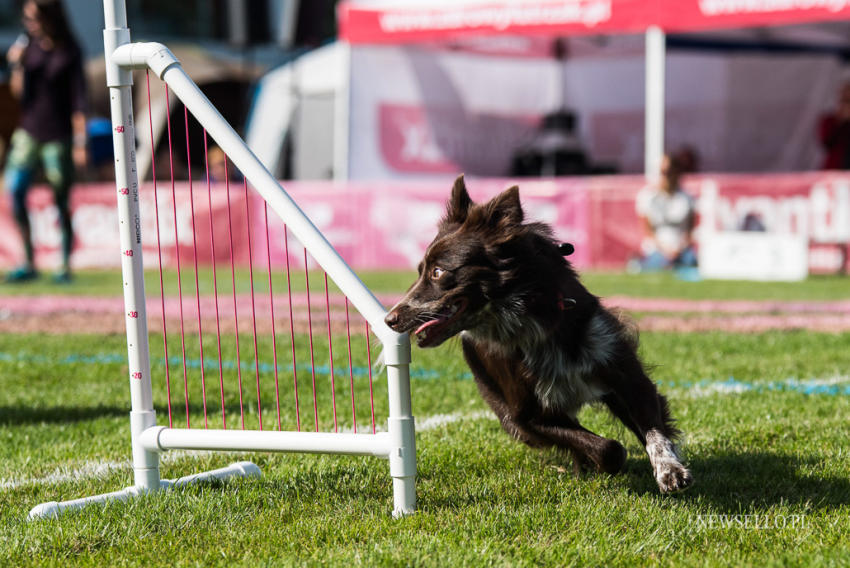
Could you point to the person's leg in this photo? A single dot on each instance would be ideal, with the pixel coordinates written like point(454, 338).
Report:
point(688, 258)
point(654, 262)
point(685, 267)
point(59, 171)
point(17, 176)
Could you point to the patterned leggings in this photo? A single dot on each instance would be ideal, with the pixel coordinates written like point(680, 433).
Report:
point(24, 155)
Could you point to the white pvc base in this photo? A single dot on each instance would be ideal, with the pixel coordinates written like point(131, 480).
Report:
point(52, 509)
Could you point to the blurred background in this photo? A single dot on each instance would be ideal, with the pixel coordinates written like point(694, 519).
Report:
point(368, 109)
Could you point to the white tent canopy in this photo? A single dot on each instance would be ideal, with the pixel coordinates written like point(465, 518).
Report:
point(382, 73)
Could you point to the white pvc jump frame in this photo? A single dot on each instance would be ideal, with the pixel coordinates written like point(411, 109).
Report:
point(148, 439)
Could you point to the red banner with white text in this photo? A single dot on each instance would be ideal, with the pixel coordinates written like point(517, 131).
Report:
point(695, 15)
point(415, 23)
point(411, 22)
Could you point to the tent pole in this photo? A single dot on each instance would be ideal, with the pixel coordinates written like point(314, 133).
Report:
point(342, 117)
point(654, 112)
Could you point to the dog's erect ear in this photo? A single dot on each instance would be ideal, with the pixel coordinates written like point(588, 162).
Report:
point(458, 206)
point(505, 208)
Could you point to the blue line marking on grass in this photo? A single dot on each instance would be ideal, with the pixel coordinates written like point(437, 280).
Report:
point(210, 364)
point(838, 385)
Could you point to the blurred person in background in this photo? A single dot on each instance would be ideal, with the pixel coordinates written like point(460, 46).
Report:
point(47, 78)
point(8, 117)
point(834, 133)
point(667, 215)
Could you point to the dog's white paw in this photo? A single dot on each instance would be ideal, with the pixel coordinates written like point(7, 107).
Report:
point(670, 474)
point(672, 477)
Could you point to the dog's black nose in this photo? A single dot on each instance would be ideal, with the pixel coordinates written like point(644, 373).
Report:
point(391, 319)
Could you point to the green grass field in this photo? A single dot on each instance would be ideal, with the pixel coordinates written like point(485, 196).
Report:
point(766, 417)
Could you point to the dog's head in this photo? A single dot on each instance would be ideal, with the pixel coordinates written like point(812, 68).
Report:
point(468, 269)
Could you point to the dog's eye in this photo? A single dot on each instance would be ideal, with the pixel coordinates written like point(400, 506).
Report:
point(437, 273)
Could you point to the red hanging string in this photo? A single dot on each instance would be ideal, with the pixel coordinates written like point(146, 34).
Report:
point(291, 328)
point(369, 357)
point(215, 284)
point(271, 308)
point(310, 331)
point(350, 366)
point(195, 259)
point(177, 255)
point(233, 284)
point(159, 252)
point(331, 354)
point(253, 305)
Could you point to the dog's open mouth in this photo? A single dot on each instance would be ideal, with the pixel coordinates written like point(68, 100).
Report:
point(433, 331)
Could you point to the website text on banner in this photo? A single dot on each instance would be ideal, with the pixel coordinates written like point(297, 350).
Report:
point(416, 22)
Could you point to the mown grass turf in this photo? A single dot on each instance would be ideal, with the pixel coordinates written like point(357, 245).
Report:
point(772, 467)
point(94, 282)
point(664, 284)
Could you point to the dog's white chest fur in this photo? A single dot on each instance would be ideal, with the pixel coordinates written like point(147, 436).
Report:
point(567, 383)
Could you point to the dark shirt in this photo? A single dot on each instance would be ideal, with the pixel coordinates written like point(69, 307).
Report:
point(835, 137)
point(54, 89)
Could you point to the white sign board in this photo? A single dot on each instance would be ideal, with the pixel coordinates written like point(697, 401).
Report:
point(752, 255)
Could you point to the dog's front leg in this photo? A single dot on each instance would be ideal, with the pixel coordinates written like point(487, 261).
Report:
point(638, 404)
point(493, 394)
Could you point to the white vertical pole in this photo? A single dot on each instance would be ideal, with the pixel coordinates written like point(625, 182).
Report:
point(654, 111)
point(342, 118)
point(142, 415)
point(401, 428)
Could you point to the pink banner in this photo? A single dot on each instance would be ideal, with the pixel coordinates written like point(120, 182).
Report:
point(388, 225)
point(383, 225)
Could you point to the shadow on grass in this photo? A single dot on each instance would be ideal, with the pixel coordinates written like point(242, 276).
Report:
point(18, 415)
point(736, 482)
point(61, 414)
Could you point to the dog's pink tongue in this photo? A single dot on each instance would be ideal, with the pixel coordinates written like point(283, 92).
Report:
point(428, 324)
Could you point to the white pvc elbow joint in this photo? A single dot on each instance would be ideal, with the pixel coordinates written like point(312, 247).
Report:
point(151, 55)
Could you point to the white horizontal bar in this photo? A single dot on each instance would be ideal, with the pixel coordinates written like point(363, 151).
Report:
point(159, 439)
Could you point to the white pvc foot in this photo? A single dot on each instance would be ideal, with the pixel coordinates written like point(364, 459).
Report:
point(52, 509)
point(239, 469)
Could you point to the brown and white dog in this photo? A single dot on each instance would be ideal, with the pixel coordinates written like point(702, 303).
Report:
point(539, 344)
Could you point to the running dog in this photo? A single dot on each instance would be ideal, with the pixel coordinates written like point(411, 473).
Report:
point(539, 344)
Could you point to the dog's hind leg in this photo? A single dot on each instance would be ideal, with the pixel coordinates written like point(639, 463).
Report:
point(607, 455)
point(639, 405)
